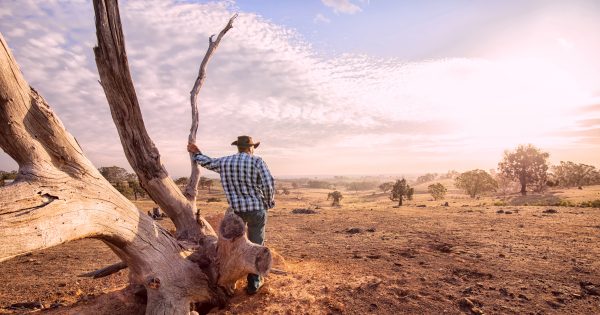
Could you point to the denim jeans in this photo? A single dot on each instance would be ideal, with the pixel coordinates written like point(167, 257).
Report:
point(256, 221)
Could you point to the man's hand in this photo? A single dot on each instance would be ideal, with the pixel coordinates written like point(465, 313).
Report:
point(192, 148)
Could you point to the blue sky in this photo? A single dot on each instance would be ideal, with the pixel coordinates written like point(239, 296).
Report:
point(332, 86)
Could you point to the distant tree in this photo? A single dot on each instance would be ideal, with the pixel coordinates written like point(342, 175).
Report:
point(400, 191)
point(437, 191)
point(359, 186)
point(451, 174)
point(387, 186)
point(206, 183)
point(295, 185)
point(182, 181)
point(136, 189)
point(476, 182)
point(114, 174)
point(285, 191)
point(527, 164)
point(570, 174)
point(426, 178)
point(336, 196)
point(2, 183)
point(124, 189)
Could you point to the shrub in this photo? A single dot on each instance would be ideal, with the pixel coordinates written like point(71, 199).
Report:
point(437, 191)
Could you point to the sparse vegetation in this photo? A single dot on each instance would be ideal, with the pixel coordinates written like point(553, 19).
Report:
point(336, 196)
point(319, 184)
point(361, 186)
point(437, 191)
point(426, 178)
point(476, 182)
point(181, 181)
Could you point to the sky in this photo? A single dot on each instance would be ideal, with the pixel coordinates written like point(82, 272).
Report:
point(330, 87)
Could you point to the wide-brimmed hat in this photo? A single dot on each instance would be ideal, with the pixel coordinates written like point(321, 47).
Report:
point(245, 142)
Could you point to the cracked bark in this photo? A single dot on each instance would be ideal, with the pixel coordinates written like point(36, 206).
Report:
point(60, 196)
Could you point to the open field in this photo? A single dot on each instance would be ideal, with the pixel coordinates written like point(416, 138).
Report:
point(369, 257)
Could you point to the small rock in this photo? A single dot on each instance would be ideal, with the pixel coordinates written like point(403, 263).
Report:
point(446, 204)
point(554, 304)
point(589, 288)
point(467, 305)
point(501, 255)
point(523, 297)
point(500, 211)
point(550, 211)
point(304, 211)
point(507, 212)
point(374, 256)
point(353, 230)
point(421, 206)
point(372, 229)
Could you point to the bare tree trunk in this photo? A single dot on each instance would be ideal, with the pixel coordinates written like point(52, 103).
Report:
point(523, 186)
point(191, 189)
point(60, 196)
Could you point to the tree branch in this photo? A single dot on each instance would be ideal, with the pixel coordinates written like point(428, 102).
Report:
point(191, 189)
point(142, 154)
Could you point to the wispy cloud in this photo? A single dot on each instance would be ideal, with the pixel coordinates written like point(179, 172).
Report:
point(320, 18)
point(342, 6)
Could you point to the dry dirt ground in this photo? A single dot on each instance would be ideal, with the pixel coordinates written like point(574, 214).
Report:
point(369, 257)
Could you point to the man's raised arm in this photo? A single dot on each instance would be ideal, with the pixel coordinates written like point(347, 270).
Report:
point(204, 161)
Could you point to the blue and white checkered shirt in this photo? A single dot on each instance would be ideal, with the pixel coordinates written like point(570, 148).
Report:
point(246, 180)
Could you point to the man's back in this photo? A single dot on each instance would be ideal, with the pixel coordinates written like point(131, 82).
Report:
point(245, 178)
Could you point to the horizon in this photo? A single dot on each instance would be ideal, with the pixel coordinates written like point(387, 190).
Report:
point(330, 88)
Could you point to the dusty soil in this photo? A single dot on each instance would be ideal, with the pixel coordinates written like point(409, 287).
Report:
point(368, 257)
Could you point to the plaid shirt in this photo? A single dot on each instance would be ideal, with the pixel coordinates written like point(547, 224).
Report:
point(246, 180)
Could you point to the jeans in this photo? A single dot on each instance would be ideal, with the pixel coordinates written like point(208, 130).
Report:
point(256, 221)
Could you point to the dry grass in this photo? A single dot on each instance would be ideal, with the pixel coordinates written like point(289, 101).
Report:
point(420, 260)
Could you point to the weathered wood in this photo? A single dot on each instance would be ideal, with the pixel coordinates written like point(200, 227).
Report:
point(60, 196)
point(104, 272)
point(191, 190)
point(142, 154)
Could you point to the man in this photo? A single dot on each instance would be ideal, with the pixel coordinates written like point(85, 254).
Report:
point(249, 188)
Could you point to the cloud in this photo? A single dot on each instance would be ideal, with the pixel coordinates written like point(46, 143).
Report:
point(342, 6)
point(314, 114)
point(320, 18)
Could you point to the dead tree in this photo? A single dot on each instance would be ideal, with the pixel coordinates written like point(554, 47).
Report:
point(59, 196)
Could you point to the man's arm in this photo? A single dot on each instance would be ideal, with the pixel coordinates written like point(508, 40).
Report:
point(267, 184)
point(204, 161)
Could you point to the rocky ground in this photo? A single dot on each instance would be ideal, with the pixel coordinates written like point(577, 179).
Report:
point(366, 256)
